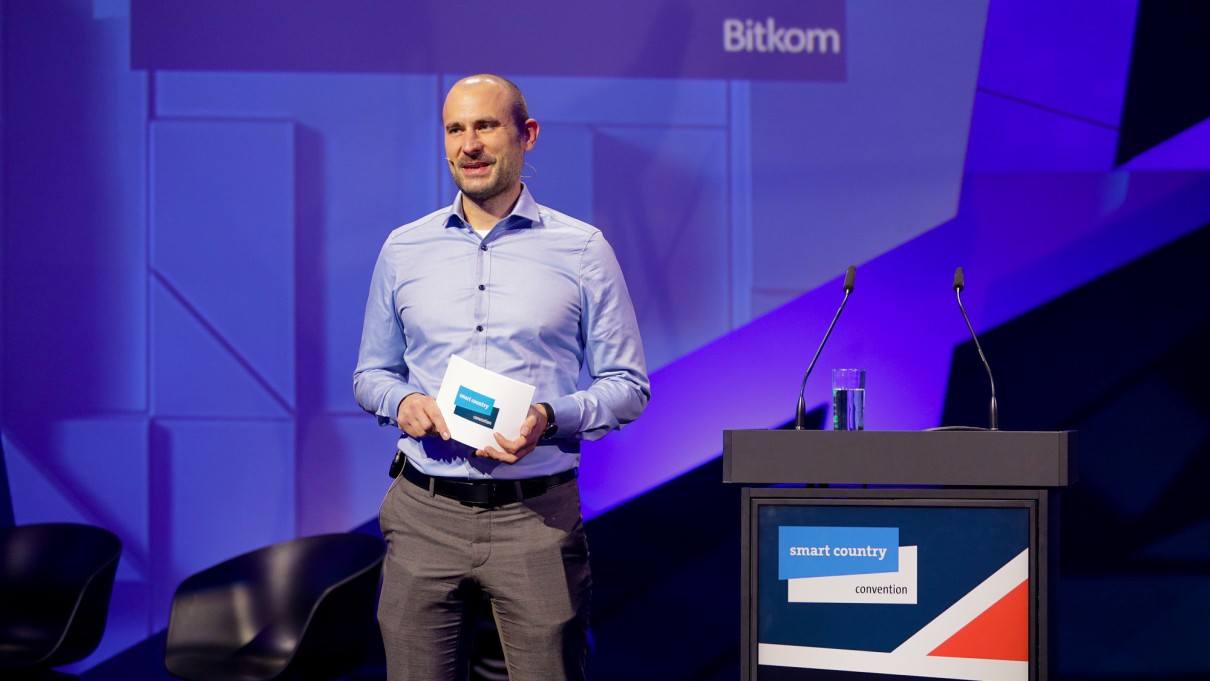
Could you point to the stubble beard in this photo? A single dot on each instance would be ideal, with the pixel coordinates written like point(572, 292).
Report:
point(504, 178)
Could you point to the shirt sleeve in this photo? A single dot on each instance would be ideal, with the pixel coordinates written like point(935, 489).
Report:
point(613, 351)
point(380, 381)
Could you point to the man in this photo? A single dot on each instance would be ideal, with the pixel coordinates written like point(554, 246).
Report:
point(530, 293)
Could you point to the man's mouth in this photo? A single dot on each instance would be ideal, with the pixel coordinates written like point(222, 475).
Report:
point(475, 167)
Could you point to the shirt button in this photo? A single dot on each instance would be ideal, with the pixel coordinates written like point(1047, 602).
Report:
point(479, 328)
point(483, 247)
point(481, 287)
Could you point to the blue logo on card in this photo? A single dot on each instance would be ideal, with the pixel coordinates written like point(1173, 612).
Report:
point(829, 551)
point(476, 407)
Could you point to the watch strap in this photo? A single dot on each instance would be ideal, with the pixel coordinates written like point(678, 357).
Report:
point(551, 426)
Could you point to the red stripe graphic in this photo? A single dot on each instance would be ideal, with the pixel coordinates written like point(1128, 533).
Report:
point(1000, 633)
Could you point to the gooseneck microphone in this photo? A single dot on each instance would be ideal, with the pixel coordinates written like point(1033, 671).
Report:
point(800, 415)
point(993, 410)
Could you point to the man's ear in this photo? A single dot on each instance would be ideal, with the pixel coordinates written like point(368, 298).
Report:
point(529, 134)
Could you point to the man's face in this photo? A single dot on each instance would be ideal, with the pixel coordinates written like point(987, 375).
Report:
point(482, 143)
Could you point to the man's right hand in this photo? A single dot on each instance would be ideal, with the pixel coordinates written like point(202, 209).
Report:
point(419, 417)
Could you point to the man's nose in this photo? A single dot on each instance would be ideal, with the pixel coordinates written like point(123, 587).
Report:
point(471, 144)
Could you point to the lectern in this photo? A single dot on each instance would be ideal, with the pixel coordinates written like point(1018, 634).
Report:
point(898, 555)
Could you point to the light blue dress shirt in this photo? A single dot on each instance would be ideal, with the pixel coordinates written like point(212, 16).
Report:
point(535, 299)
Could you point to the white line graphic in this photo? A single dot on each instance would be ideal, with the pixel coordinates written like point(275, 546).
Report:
point(892, 663)
point(970, 606)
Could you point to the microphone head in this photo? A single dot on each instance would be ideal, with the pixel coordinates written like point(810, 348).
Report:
point(849, 275)
point(959, 280)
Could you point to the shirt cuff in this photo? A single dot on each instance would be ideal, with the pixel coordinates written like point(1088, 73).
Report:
point(567, 416)
point(394, 397)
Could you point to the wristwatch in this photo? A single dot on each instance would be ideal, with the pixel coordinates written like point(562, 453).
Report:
point(551, 426)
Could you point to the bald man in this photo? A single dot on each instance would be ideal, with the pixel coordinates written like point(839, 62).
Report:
point(530, 293)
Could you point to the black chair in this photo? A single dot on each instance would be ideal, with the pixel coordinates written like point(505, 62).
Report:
point(55, 583)
point(299, 609)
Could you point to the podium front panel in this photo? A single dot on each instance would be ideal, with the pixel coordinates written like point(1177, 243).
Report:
point(872, 584)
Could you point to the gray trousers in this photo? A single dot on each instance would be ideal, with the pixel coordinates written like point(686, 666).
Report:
point(530, 558)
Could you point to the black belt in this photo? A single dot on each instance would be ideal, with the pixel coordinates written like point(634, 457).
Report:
point(487, 493)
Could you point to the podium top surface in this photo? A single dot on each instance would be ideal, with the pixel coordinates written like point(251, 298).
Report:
point(905, 458)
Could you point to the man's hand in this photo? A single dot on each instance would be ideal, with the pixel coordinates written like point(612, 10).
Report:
point(512, 451)
point(420, 417)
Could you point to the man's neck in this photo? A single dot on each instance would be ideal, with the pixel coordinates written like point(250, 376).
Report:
point(485, 215)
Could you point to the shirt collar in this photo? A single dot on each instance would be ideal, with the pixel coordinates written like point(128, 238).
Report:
point(523, 214)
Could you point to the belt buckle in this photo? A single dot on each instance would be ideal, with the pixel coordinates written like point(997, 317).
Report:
point(479, 496)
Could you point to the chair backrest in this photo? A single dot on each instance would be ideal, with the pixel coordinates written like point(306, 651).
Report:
point(262, 605)
point(56, 580)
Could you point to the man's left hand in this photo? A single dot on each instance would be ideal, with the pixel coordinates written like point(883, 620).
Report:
point(512, 451)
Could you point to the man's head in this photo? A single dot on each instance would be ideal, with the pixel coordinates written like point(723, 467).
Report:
point(487, 133)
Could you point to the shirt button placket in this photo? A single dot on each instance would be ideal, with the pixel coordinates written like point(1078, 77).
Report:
point(480, 340)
